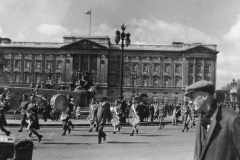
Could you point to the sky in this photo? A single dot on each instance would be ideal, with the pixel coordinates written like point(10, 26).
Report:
point(148, 22)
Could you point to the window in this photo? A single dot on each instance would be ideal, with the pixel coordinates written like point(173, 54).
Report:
point(85, 63)
point(7, 63)
point(135, 67)
point(48, 65)
point(27, 78)
point(59, 78)
point(112, 80)
point(94, 80)
point(177, 82)
point(93, 65)
point(124, 80)
point(37, 78)
point(7, 74)
point(190, 80)
point(155, 81)
point(166, 82)
point(16, 77)
point(27, 64)
point(145, 67)
point(177, 68)
point(199, 68)
point(59, 64)
point(190, 68)
point(175, 100)
point(17, 63)
point(207, 68)
point(145, 83)
point(166, 68)
point(38, 64)
point(156, 67)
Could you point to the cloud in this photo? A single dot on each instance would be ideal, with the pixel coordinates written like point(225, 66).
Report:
point(233, 35)
point(52, 29)
point(154, 31)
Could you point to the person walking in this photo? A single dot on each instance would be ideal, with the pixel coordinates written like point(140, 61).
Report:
point(23, 114)
point(102, 114)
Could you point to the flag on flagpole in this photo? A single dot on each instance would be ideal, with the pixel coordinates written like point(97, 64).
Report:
point(87, 12)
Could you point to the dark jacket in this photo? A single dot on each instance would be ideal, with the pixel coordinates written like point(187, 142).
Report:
point(103, 113)
point(222, 140)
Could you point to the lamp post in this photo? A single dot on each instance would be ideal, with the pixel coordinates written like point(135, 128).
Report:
point(134, 76)
point(122, 36)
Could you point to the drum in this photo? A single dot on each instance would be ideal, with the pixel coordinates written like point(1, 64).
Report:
point(59, 102)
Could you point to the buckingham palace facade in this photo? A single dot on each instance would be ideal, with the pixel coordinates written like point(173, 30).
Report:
point(161, 71)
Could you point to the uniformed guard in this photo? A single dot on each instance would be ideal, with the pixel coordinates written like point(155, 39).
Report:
point(160, 113)
point(4, 107)
point(23, 114)
point(191, 114)
point(32, 111)
point(134, 119)
point(71, 109)
point(91, 117)
point(185, 113)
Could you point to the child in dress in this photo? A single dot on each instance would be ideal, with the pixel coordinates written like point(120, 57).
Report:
point(77, 113)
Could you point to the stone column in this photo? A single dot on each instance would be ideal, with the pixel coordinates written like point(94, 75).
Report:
point(43, 75)
point(21, 78)
point(80, 61)
point(98, 69)
point(54, 64)
point(12, 67)
point(140, 70)
point(185, 72)
point(150, 71)
point(172, 73)
point(203, 70)
point(89, 63)
point(161, 71)
point(32, 68)
point(194, 70)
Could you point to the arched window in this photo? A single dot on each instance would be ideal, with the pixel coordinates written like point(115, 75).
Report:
point(190, 80)
point(37, 77)
point(27, 78)
point(145, 81)
point(166, 81)
point(155, 81)
point(17, 77)
point(177, 82)
point(59, 78)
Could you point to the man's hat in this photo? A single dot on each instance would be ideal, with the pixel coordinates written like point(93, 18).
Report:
point(104, 99)
point(203, 85)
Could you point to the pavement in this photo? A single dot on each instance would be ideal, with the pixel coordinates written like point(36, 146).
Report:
point(169, 143)
point(82, 122)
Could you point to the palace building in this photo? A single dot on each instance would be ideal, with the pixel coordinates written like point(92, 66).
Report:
point(161, 71)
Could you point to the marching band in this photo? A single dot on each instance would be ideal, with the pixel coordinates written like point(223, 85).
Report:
point(99, 113)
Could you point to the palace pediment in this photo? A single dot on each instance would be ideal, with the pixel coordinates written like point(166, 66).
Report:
point(84, 44)
point(200, 49)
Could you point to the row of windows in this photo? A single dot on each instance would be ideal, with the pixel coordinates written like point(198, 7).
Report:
point(156, 67)
point(37, 78)
point(28, 63)
point(199, 68)
point(145, 81)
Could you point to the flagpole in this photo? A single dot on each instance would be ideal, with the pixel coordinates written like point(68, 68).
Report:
point(90, 23)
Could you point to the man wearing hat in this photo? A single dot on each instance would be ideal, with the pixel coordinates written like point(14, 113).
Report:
point(218, 129)
point(102, 113)
point(4, 106)
point(23, 114)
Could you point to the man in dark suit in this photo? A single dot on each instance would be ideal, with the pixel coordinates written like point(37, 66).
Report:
point(218, 130)
point(102, 113)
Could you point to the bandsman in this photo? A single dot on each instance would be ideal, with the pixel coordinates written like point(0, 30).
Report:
point(23, 114)
point(4, 107)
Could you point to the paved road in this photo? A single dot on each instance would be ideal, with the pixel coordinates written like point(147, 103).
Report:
point(151, 144)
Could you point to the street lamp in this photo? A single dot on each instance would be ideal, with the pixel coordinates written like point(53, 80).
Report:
point(134, 77)
point(121, 36)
